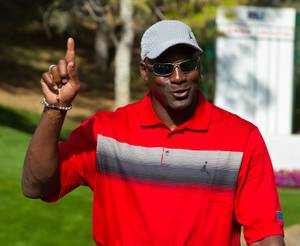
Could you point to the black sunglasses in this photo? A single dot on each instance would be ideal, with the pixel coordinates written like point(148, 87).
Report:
point(166, 69)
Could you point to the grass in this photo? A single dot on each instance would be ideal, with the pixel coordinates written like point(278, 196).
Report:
point(290, 200)
point(26, 222)
point(33, 222)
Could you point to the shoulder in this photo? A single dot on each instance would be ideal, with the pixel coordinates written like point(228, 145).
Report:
point(103, 120)
point(120, 114)
point(222, 117)
point(230, 129)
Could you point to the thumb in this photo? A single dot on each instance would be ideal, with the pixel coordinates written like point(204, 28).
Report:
point(72, 72)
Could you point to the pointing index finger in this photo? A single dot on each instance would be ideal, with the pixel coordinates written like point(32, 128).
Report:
point(70, 53)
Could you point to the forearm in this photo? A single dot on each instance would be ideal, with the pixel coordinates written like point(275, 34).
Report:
point(270, 241)
point(40, 173)
point(60, 85)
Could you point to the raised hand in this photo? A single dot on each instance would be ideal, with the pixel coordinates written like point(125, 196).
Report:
point(61, 84)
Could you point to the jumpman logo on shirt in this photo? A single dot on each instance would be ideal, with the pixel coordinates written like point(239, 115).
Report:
point(203, 168)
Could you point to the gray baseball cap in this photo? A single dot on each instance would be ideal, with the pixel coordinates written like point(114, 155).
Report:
point(164, 34)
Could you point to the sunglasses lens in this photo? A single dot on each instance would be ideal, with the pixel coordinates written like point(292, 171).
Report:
point(189, 65)
point(162, 68)
point(166, 69)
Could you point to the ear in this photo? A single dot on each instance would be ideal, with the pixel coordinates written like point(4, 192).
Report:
point(144, 71)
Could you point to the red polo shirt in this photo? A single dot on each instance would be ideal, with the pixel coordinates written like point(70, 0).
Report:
point(194, 185)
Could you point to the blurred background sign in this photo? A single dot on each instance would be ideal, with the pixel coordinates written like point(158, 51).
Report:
point(255, 74)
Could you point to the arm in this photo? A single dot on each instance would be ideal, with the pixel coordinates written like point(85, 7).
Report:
point(270, 241)
point(59, 86)
point(257, 206)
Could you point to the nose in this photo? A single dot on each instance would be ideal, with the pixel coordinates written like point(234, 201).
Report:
point(177, 77)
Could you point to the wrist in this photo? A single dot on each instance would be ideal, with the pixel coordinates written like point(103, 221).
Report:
point(62, 108)
point(56, 117)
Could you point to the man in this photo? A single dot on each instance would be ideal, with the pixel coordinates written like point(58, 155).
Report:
point(170, 169)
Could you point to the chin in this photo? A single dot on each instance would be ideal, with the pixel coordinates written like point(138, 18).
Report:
point(180, 105)
point(186, 103)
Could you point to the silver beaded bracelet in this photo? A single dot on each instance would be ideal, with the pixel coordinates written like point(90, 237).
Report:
point(52, 106)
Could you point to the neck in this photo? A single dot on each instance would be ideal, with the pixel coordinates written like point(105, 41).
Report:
point(173, 118)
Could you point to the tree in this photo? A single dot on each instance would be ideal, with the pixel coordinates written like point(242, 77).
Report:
point(123, 54)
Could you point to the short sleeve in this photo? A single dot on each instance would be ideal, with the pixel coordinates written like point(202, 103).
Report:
point(257, 205)
point(77, 160)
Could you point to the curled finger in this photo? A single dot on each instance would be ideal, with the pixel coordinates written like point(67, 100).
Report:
point(62, 70)
point(49, 81)
point(56, 76)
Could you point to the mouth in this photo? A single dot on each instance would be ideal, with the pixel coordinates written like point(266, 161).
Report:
point(180, 94)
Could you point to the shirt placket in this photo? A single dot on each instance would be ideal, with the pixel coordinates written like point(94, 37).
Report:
point(166, 151)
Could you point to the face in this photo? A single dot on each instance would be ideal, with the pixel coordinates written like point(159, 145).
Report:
point(178, 91)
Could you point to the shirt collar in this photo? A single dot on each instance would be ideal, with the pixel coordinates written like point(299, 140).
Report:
point(201, 117)
point(199, 120)
point(148, 115)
